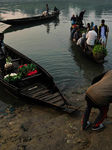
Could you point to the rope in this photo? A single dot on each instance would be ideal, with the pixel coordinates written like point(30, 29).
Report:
point(75, 108)
point(79, 109)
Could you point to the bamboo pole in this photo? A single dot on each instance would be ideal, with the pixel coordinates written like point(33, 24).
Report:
point(106, 37)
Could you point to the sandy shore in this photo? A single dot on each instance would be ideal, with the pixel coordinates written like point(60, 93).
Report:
point(35, 127)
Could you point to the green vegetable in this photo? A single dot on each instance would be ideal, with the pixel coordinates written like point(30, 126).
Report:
point(99, 49)
point(8, 59)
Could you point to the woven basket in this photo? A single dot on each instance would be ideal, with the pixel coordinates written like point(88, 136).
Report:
point(99, 56)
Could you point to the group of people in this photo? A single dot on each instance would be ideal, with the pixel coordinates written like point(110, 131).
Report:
point(78, 19)
point(99, 94)
point(47, 10)
point(92, 35)
point(101, 31)
point(46, 13)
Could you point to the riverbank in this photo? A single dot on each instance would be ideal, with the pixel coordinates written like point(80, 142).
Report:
point(35, 127)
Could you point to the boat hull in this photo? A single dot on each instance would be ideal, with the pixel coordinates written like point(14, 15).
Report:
point(30, 20)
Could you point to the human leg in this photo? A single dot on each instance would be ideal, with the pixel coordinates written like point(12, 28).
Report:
point(85, 117)
point(103, 40)
point(100, 118)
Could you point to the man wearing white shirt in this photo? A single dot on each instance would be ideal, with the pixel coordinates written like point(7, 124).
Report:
point(91, 37)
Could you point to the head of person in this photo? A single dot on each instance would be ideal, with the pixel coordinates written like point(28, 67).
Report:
point(76, 16)
point(88, 25)
point(1, 36)
point(102, 22)
point(92, 23)
point(83, 35)
point(84, 10)
point(73, 15)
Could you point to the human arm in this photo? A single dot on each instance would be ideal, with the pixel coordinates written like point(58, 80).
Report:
point(107, 32)
point(87, 35)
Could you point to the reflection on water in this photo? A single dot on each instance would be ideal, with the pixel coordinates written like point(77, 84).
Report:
point(85, 64)
point(49, 44)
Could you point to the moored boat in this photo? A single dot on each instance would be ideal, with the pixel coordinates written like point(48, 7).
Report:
point(30, 20)
point(28, 80)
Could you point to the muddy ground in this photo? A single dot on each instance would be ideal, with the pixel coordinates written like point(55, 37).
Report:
point(36, 127)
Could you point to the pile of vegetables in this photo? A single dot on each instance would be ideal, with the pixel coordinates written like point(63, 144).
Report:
point(99, 49)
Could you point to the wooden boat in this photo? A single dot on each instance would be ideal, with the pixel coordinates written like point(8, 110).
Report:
point(88, 52)
point(39, 87)
point(30, 20)
point(24, 26)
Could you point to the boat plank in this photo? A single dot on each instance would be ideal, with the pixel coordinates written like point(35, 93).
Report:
point(33, 90)
point(48, 97)
point(31, 86)
point(59, 103)
point(39, 93)
point(54, 100)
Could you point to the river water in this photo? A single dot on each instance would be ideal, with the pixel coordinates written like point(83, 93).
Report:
point(49, 44)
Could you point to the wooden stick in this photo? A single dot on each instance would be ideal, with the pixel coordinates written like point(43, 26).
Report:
point(106, 37)
point(75, 108)
point(80, 109)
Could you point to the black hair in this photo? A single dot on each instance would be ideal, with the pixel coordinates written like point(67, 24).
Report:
point(103, 21)
point(2, 35)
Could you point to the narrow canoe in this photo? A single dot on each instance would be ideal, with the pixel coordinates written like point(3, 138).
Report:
point(30, 20)
point(88, 53)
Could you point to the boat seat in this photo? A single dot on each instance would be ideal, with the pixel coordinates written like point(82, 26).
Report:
point(15, 60)
point(31, 77)
point(28, 80)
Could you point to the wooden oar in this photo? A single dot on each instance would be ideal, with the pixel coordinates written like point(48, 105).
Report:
point(106, 37)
